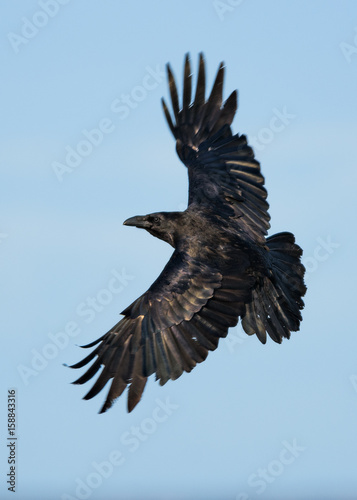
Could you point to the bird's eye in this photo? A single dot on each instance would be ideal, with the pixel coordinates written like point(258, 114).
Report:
point(156, 220)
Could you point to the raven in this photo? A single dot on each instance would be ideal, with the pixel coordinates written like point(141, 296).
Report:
point(223, 266)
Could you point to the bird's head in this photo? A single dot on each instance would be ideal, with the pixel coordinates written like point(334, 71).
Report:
point(163, 225)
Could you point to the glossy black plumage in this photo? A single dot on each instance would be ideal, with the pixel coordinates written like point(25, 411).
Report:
point(223, 267)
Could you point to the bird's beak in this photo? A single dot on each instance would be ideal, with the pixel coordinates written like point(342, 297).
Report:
point(138, 221)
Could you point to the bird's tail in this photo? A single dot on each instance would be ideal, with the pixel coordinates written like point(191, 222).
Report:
point(277, 300)
point(194, 122)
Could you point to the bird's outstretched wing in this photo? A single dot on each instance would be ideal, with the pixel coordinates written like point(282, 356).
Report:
point(223, 174)
point(170, 328)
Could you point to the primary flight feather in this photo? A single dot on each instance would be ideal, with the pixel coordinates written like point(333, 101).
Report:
point(223, 266)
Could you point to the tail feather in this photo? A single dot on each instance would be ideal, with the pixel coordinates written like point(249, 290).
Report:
point(277, 300)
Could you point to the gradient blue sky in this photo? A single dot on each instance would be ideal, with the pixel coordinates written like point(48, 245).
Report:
point(236, 414)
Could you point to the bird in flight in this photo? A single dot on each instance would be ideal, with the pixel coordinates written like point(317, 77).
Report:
point(224, 267)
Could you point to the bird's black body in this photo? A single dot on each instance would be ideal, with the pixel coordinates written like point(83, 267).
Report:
point(223, 266)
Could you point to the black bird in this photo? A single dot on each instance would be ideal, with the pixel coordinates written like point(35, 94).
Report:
point(223, 266)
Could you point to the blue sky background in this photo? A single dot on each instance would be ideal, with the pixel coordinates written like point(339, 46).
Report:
point(233, 418)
